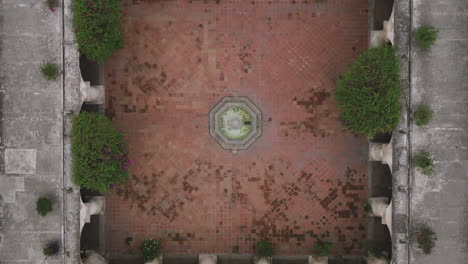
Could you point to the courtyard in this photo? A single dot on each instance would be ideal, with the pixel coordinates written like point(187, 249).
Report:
point(302, 181)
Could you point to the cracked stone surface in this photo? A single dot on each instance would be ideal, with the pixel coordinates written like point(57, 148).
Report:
point(440, 200)
point(303, 180)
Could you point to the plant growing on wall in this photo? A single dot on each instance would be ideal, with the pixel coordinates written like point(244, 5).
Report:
point(52, 4)
point(43, 206)
point(426, 36)
point(368, 92)
point(367, 207)
point(150, 249)
point(99, 151)
point(50, 71)
point(322, 248)
point(425, 237)
point(97, 27)
point(423, 115)
point(52, 249)
point(423, 162)
point(264, 249)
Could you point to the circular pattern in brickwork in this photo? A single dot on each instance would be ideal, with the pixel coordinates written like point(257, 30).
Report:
point(235, 123)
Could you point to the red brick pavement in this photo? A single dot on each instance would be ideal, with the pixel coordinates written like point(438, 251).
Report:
point(303, 180)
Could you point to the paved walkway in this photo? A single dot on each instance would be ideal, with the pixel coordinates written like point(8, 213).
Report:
point(31, 130)
point(439, 77)
point(304, 179)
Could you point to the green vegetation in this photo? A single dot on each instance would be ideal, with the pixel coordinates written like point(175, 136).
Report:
point(423, 162)
point(50, 71)
point(264, 249)
point(368, 93)
point(99, 151)
point(426, 36)
point(322, 248)
point(150, 249)
point(367, 208)
point(43, 206)
point(98, 27)
point(423, 115)
point(426, 238)
point(51, 249)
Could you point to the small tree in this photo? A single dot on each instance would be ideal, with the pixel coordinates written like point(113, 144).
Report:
point(426, 238)
point(423, 115)
point(150, 249)
point(264, 249)
point(43, 206)
point(423, 162)
point(368, 92)
point(97, 28)
point(426, 36)
point(99, 151)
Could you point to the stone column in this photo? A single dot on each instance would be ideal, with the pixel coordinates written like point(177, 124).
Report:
point(93, 258)
point(381, 208)
point(207, 259)
point(93, 207)
point(381, 152)
point(318, 260)
point(92, 93)
point(379, 37)
point(157, 260)
point(374, 260)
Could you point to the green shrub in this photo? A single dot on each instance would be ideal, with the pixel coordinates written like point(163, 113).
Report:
point(322, 248)
point(50, 71)
point(43, 206)
point(99, 151)
point(150, 249)
point(264, 249)
point(97, 27)
point(426, 36)
point(426, 238)
point(52, 4)
point(423, 115)
point(423, 162)
point(367, 208)
point(368, 92)
point(51, 249)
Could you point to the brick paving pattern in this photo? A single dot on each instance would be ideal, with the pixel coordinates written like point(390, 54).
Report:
point(304, 179)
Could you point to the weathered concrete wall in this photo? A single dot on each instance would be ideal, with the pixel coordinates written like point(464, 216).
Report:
point(439, 78)
point(33, 149)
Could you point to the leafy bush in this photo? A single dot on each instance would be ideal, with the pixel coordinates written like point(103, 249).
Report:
point(264, 249)
point(150, 249)
point(97, 27)
point(43, 206)
point(322, 248)
point(423, 162)
point(51, 249)
point(368, 92)
point(367, 208)
point(50, 71)
point(52, 4)
point(426, 238)
point(423, 115)
point(100, 156)
point(426, 36)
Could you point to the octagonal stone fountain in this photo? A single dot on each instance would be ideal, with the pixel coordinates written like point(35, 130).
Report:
point(235, 123)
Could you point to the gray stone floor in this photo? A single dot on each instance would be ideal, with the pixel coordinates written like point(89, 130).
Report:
point(439, 78)
point(31, 130)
